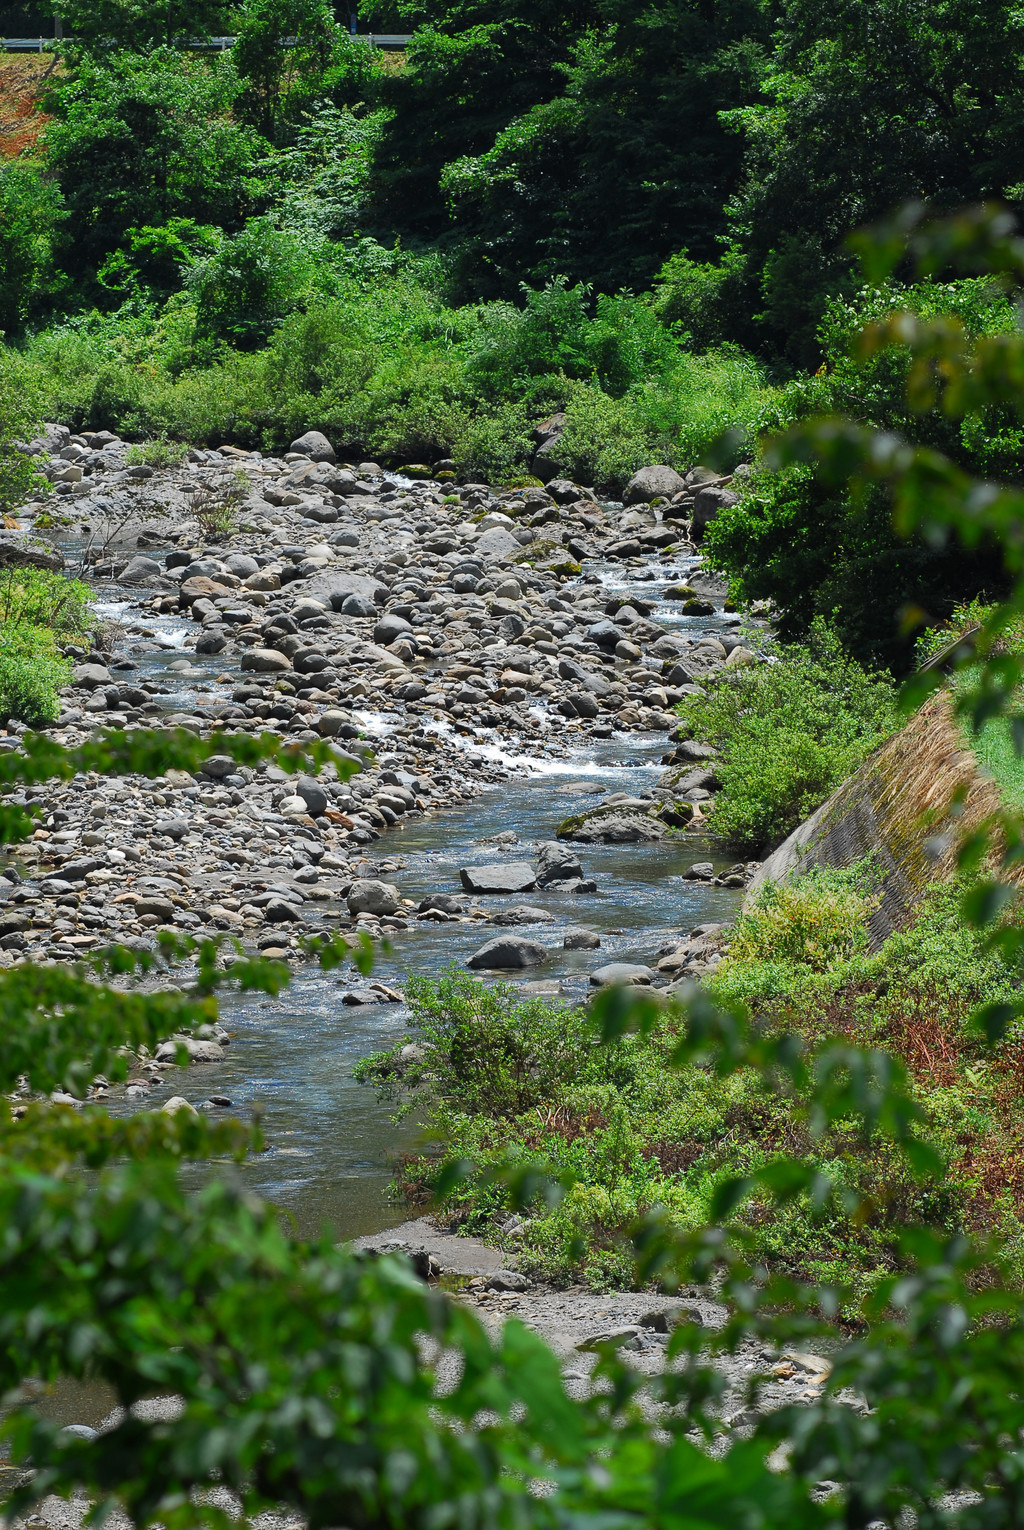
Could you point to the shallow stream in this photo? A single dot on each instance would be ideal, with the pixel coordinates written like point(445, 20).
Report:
point(331, 1143)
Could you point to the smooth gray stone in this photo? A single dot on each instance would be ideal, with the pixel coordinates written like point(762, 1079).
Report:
point(509, 952)
point(508, 877)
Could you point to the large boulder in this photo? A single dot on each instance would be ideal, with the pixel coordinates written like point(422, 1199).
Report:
point(706, 507)
point(496, 545)
point(556, 863)
point(622, 974)
point(20, 550)
point(315, 445)
point(653, 483)
point(508, 877)
point(631, 822)
point(509, 953)
point(367, 896)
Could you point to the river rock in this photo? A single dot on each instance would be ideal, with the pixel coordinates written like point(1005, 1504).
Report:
point(241, 565)
point(140, 569)
point(280, 911)
point(509, 952)
point(445, 903)
point(653, 483)
point(313, 795)
point(605, 633)
point(219, 766)
point(506, 1280)
point(581, 940)
point(556, 863)
point(358, 605)
point(265, 661)
point(176, 1103)
point(522, 913)
point(368, 896)
point(315, 445)
point(390, 628)
point(509, 877)
point(614, 824)
point(596, 684)
point(622, 974)
point(160, 908)
point(496, 545)
point(198, 1051)
point(175, 828)
point(89, 676)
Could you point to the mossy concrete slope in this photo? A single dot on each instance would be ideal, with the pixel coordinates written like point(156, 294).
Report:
point(906, 810)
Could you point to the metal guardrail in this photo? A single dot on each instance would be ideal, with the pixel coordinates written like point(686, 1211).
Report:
point(375, 40)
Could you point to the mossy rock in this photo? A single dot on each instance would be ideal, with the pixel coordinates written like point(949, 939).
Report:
point(679, 592)
point(533, 552)
point(615, 823)
point(677, 814)
point(417, 470)
point(523, 481)
point(564, 568)
point(444, 477)
point(697, 607)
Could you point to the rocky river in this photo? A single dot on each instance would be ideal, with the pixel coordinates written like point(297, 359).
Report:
point(496, 666)
point(499, 668)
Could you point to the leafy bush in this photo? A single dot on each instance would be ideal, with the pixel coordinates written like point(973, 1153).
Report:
point(486, 1051)
point(788, 732)
point(250, 283)
point(31, 218)
point(140, 138)
point(31, 673)
point(43, 599)
point(817, 922)
point(159, 454)
point(20, 410)
point(815, 549)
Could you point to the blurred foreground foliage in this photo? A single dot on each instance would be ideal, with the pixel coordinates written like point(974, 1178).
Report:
point(309, 1377)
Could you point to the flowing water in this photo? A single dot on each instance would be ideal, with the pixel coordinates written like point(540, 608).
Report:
point(331, 1144)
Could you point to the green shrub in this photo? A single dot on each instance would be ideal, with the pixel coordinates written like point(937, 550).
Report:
point(43, 599)
point(141, 138)
point(31, 217)
point(158, 454)
point(815, 548)
point(31, 673)
point(817, 922)
point(788, 732)
point(487, 1051)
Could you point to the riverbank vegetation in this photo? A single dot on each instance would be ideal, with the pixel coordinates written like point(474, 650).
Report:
point(413, 254)
point(786, 734)
point(40, 613)
point(631, 1133)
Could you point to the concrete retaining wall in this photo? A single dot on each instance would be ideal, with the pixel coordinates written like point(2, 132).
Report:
point(907, 808)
